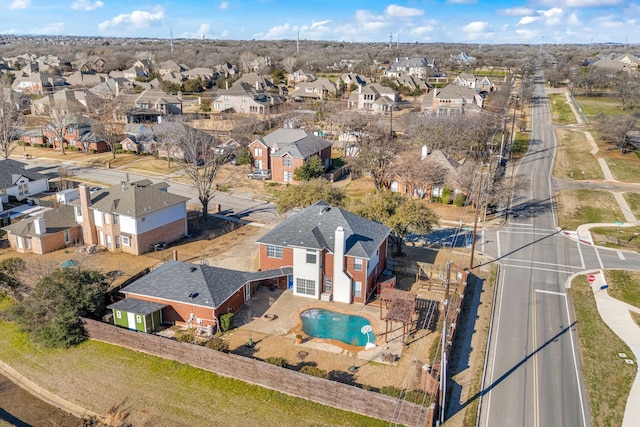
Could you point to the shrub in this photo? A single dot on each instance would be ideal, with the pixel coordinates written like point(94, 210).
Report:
point(315, 371)
point(217, 344)
point(414, 396)
point(278, 361)
point(226, 322)
point(187, 336)
point(447, 196)
point(460, 199)
point(92, 151)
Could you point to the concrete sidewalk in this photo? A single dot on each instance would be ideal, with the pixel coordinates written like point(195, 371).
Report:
point(616, 314)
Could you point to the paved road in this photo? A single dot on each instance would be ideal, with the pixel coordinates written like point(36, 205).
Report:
point(240, 207)
point(533, 375)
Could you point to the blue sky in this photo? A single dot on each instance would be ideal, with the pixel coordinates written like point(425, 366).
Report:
point(463, 21)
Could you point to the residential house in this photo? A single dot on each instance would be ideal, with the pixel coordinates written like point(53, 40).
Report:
point(78, 135)
point(18, 182)
point(45, 232)
point(157, 100)
point(285, 150)
point(207, 75)
point(373, 98)
point(140, 139)
point(246, 99)
point(480, 84)
point(189, 294)
point(452, 101)
point(417, 67)
point(626, 62)
point(427, 178)
point(92, 64)
point(462, 59)
point(38, 83)
point(72, 100)
point(298, 77)
point(412, 82)
point(145, 64)
point(226, 70)
point(133, 73)
point(346, 81)
point(171, 67)
point(318, 89)
point(334, 254)
point(130, 217)
point(256, 80)
point(80, 79)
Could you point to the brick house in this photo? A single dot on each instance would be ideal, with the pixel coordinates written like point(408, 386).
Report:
point(334, 254)
point(195, 294)
point(78, 135)
point(374, 98)
point(452, 101)
point(45, 232)
point(130, 217)
point(284, 150)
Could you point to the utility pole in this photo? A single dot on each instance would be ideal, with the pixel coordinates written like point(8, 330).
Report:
point(475, 220)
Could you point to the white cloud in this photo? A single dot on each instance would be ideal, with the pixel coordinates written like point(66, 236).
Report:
point(528, 20)
point(224, 5)
point(53, 28)
point(319, 24)
point(421, 31)
point(526, 34)
point(552, 16)
point(277, 32)
point(136, 19)
point(20, 4)
point(203, 31)
point(367, 21)
point(86, 5)
point(517, 11)
point(582, 3)
point(476, 27)
point(573, 19)
point(608, 21)
point(225, 33)
point(402, 12)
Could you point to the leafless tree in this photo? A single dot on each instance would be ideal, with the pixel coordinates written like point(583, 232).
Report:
point(616, 128)
point(376, 152)
point(109, 111)
point(64, 178)
point(62, 122)
point(11, 121)
point(289, 63)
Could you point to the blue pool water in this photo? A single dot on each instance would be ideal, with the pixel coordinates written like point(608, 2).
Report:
point(328, 324)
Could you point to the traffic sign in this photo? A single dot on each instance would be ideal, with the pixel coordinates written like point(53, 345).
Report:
point(591, 278)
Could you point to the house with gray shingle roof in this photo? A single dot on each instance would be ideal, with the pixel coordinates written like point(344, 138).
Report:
point(452, 101)
point(318, 89)
point(18, 182)
point(45, 232)
point(284, 150)
point(373, 97)
point(335, 255)
point(195, 294)
point(131, 217)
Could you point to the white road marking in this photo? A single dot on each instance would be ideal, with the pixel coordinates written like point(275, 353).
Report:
point(544, 291)
point(598, 256)
point(536, 404)
point(498, 244)
point(495, 349)
point(579, 245)
point(542, 263)
point(538, 268)
point(621, 256)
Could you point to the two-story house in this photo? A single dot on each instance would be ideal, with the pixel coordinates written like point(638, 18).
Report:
point(335, 255)
point(480, 84)
point(374, 98)
point(244, 98)
point(130, 217)
point(285, 150)
point(318, 89)
point(452, 101)
point(18, 182)
point(417, 67)
point(157, 100)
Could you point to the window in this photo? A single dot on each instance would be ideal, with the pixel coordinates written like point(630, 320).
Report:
point(274, 252)
point(216, 106)
point(27, 242)
point(287, 162)
point(117, 239)
point(138, 318)
point(287, 176)
point(109, 242)
point(126, 240)
point(23, 188)
point(305, 286)
point(116, 219)
point(328, 284)
point(357, 289)
point(118, 314)
point(227, 106)
point(78, 211)
point(107, 219)
point(311, 256)
point(257, 152)
point(357, 264)
point(67, 236)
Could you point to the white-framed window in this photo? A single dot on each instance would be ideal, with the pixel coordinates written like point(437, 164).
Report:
point(257, 152)
point(27, 242)
point(67, 236)
point(357, 289)
point(109, 241)
point(312, 256)
point(216, 106)
point(23, 188)
point(78, 211)
point(328, 284)
point(118, 314)
point(107, 218)
point(20, 242)
point(227, 106)
point(116, 219)
point(126, 240)
point(305, 286)
point(287, 162)
point(357, 264)
point(287, 176)
point(274, 252)
point(117, 240)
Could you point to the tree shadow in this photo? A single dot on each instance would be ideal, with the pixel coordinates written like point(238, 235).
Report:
point(12, 420)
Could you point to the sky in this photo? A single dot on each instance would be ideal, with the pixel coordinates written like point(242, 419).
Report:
point(424, 21)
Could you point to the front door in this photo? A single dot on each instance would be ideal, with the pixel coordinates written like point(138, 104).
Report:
point(131, 321)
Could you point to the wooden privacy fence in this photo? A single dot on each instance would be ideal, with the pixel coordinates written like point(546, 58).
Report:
point(330, 393)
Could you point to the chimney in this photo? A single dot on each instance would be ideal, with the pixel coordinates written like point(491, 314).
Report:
point(342, 282)
point(425, 152)
point(175, 255)
point(117, 88)
point(39, 225)
point(257, 85)
point(226, 84)
point(359, 87)
point(89, 232)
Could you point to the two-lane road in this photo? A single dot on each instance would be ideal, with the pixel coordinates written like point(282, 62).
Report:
point(533, 376)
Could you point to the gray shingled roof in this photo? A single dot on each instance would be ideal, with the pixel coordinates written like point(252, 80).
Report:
point(55, 220)
point(209, 286)
point(315, 226)
point(11, 171)
point(137, 306)
point(134, 199)
point(297, 143)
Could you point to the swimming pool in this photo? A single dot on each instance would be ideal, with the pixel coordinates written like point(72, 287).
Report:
point(352, 330)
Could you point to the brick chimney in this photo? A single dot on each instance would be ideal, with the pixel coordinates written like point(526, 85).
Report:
point(89, 232)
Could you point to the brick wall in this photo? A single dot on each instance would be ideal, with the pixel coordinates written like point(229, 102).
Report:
point(330, 393)
point(267, 263)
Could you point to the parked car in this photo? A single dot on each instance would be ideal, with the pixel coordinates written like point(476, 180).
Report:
point(260, 174)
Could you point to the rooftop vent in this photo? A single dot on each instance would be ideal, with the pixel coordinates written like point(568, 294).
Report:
point(192, 269)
